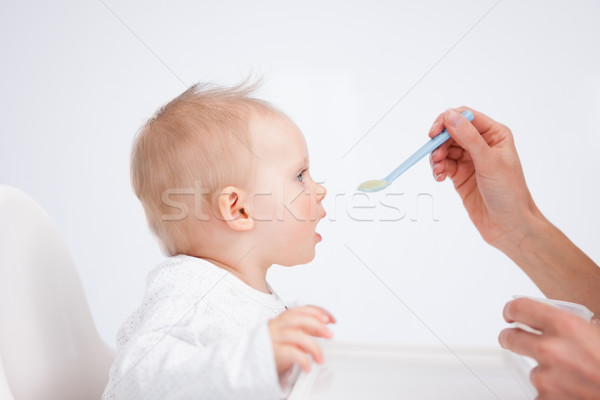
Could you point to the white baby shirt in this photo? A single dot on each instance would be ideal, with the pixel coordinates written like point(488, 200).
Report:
point(201, 333)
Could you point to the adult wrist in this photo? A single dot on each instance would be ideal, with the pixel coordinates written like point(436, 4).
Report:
point(527, 237)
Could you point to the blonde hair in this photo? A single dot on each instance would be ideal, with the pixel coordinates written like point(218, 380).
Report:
point(199, 140)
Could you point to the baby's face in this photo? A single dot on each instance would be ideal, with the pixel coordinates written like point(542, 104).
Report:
point(286, 202)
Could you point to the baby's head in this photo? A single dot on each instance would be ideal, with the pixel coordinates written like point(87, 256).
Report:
point(220, 173)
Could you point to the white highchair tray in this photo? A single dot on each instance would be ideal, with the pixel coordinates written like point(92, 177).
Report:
point(374, 371)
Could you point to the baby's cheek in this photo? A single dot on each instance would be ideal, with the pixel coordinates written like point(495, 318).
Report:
point(298, 234)
point(307, 208)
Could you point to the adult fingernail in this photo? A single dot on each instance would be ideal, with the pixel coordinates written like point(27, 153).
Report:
point(454, 118)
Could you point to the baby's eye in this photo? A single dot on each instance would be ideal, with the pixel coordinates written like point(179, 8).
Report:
point(300, 176)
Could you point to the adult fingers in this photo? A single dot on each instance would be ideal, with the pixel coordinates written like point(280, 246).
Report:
point(438, 125)
point(465, 134)
point(455, 152)
point(303, 342)
point(553, 383)
point(438, 170)
point(450, 151)
point(539, 378)
point(537, 315)
point(441, 152)
point(520, 342)
point(449, 170)
point(481, 122)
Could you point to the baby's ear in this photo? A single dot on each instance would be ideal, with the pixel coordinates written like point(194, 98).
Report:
point(231, 203)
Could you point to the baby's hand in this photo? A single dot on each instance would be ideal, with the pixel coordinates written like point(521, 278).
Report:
point(291, 333)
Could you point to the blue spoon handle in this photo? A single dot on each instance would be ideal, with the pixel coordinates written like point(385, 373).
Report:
point(424, 150)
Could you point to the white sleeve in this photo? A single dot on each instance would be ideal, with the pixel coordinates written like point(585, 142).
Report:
point(166, 366)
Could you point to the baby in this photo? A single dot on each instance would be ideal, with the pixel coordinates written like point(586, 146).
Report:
point(224, 181)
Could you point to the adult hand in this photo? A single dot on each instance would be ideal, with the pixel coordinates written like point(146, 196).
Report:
point(292, 334)
point(482, 161)
point(567, 351)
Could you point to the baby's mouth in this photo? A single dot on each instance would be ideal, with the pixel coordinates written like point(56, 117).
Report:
point(323, 214)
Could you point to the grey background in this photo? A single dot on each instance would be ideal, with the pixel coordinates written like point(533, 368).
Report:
point(78, 78)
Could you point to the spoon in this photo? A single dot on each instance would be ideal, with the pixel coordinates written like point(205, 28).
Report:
point(376, 185)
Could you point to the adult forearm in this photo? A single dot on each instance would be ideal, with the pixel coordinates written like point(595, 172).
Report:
point(558, 267)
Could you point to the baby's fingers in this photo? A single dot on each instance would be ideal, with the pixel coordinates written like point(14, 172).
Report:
point(290, 355)
point(316, 311)
point(308, 324)
point(302, 341)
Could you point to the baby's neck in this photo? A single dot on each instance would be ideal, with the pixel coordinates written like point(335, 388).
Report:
point(254, 276)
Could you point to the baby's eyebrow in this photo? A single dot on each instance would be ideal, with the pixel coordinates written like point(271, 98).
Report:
point(302, 165)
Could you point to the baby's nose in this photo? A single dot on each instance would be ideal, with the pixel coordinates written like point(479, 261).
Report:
point(321, 192)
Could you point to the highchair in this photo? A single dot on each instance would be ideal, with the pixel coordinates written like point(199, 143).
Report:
point(49, 346)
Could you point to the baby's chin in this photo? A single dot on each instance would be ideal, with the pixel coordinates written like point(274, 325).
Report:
point(301, 259)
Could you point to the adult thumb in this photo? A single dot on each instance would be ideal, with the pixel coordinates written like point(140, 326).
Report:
point(465, 134)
